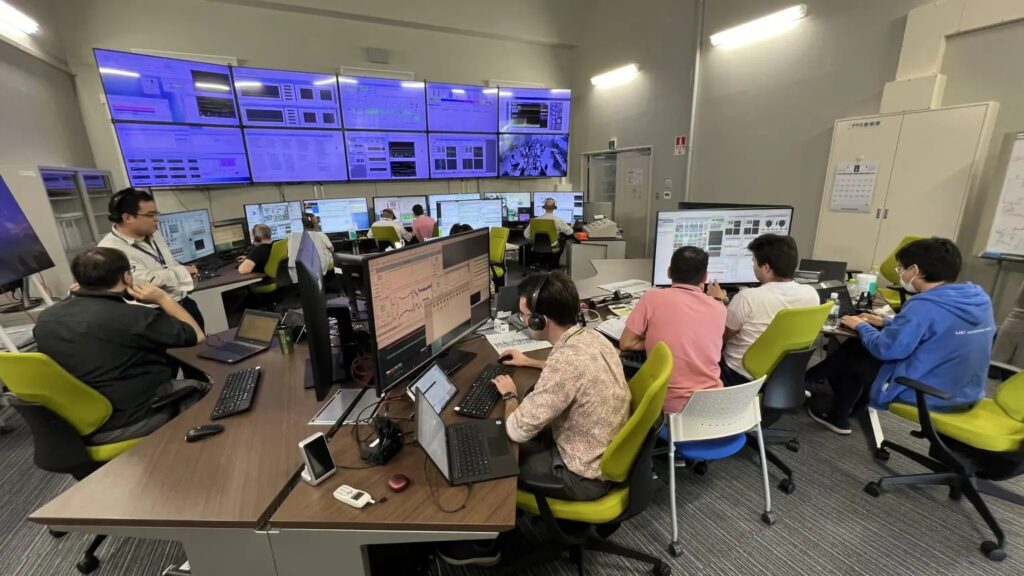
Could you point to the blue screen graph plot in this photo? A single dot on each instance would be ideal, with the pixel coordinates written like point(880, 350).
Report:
point(382, 104)
point(570, 204)
point(155, 89)
point(533, 110)
point(169, 155)
point(433, 199)
point(463, 155)
point(339, 214)
point(534, 155)
point(387, 155)
point(283, 98)
point(476, 213)
point(280, 155)
point(461, 108)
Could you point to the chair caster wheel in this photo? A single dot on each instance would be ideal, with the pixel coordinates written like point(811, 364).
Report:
point(700, 468)
point(663, 570)
point(787, 486)
point(768, 518)
point(955, 493)
point(993, 551)
point(793, 445)
point(57, 534)
point(882, 454)
point(873, 489)
point(88, 564)
point(675, 549)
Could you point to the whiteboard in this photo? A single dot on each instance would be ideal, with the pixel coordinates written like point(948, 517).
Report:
point(1006, 238)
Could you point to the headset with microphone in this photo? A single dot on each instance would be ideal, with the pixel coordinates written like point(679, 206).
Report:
point(538, 321)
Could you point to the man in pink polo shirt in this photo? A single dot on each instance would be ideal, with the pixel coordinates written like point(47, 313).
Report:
point(690, 322)
point(422, 225)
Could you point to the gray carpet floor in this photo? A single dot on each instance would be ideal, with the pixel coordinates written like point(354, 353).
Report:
point(828, 526)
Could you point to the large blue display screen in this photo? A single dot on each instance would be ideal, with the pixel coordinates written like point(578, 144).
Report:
point(387, 155)
point(277, 155)
point(382, 104)
point(463, 155)
point(533, 110)
point(541, 155)
point(169, 155)
point(282, 98)
point(461, 108)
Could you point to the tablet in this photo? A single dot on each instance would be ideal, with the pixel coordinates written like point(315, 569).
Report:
point(436, 387)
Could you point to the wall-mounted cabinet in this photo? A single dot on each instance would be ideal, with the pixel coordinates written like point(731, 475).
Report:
point(78, 198)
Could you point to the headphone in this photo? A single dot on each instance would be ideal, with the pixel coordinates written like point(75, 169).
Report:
point(537, 321)
point(115, 208)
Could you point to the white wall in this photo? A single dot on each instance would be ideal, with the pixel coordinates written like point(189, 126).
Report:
point(279, 38)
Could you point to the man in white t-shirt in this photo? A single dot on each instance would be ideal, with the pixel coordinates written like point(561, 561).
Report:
point(324, 246)
point(751, 311)
point(549, 214)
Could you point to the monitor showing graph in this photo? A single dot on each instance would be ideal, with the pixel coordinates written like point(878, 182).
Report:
point(400, 205)
point(570, 204)
point(188, 234)
point(513, 202)
point(723, 233)
point(282, 217)
point(475, 213)
point(339, 214)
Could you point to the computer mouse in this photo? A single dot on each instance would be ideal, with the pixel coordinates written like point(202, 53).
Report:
point(398, 482)
point(199, 432)
point(505, 357)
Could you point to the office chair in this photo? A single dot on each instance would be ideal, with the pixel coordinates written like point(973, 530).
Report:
point(969, 451)
point(499, 238)
point(781, 353)
point(61, 411)
point(437, 230)
point(385, 236)
point(277, 263)
point(714, 425)
point(894, 294)
point(580, 526)
point(546, 245)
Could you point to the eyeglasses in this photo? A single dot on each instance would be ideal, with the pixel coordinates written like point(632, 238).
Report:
point(153, 214)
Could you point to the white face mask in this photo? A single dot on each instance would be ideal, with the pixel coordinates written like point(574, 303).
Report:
point(908, 284)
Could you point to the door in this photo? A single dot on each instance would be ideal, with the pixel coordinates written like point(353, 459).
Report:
point(931, 175)
point(601, 178)
point(851, 236)
point(633, 200)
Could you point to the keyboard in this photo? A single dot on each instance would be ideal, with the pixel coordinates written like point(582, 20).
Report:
point(467, 448)
point(482, 397)
point(236, 397)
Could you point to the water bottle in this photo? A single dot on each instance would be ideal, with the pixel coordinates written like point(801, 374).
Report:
point(833, 313)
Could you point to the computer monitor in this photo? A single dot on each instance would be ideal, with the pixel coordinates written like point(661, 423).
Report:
point(461, 108)
point(296, 155)
point(382, 104)
point(188, 234)
point(400, 205)
point(724, 233)
point(513, 202)
point(320, 368)
point(230, 235)
point(827, 269)
point(534, 110)
point(155, 89)
point(423, 298)
point(433, 199)
point(176, 155)
point(534, 155)
point(570, 204)
point(463, 155)
point(476, 213)
point(387, 155)
point(23, 254)
point(339, 214)
point(285, 98)
point(282, 217)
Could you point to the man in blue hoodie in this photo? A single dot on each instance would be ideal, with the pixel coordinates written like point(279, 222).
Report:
point(942, 337)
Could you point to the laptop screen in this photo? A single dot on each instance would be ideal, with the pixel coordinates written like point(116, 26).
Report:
point(257, 327)
point(436, 386)
point(430, 433)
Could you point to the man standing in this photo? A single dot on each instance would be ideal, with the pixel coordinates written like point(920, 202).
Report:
point(136, 232)
point(549, 214)
point(422, 225)
point(258, 256)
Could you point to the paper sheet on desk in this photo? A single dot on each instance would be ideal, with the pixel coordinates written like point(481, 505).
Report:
point(515, 340)
point(613, 327)
point(634, 287)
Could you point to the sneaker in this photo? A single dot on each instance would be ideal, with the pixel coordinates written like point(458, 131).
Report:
point(837, 426)
point(470, 552)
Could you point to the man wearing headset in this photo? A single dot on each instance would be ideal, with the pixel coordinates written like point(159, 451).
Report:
point(136, 232)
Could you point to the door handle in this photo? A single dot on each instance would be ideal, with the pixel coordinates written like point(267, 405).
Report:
point(878, 213)
point(885, 216)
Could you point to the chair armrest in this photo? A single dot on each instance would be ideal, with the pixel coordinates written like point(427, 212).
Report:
point(922, 387)
point(547, 486)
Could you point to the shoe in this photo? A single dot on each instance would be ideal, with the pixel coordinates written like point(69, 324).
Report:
point(837, 426)
point(470, 552)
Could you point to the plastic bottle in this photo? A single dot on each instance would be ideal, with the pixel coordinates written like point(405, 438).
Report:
point(833, 314)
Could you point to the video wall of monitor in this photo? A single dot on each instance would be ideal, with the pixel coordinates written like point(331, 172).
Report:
point(185, 123)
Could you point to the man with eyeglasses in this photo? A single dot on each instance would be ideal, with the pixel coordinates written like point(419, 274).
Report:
point(136, 232)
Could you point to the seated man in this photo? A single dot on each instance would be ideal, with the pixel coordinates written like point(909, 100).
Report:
point(549, 214)
point(422, 225)
point(942, 337)
point(119, 348)
point(688, 321)
point(324, 246)
point(387, 218)
point(752, 311)
point(459, 228)
point(257, 258)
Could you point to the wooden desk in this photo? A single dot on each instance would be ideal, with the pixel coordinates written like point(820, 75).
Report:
point(215, 495)
point(311, 521)
point(208, 295)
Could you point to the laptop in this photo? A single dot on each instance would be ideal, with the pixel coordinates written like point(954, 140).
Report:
point(825, 290)
point(466, 452)
point(254, 335)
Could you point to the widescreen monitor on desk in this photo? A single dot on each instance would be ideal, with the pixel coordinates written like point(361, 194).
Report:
point(723, 233)
point(230, 235)
point(570, 204)
point(189, 235)
point(476, 213)
point(282, 217)
point(401, 206)
point(339, 214)
point(513, 202)
point(433, 199)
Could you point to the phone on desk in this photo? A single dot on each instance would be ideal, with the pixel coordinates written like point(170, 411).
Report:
point(316, 455)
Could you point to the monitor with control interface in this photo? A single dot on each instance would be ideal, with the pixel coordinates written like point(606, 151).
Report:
point(284, 98)
point(339, 214)
point(513, 202)
point(382, 104)
point(476, 213)
point(401, 206)
point(463, 155)
point(533, 110)
point(533, 155)
point(172, 155)
point(433, 199)
point(387, 155)
point(570, 204)
point(285, 155)
point(189, 235)
point(461, 108)
point(230, 235)
point(723, 233)
point(282, 217)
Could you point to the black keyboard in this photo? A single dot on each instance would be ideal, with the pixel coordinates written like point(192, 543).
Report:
point(467, 447)
point(236, 397)
point(482, 397)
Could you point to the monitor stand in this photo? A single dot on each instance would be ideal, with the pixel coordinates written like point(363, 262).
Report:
point(27, 302)
point(338, 376)
point(452, 360)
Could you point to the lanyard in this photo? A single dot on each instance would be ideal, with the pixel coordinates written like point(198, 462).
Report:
point(155, 255)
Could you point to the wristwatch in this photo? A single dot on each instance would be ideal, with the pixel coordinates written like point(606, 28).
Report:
point(509, 395)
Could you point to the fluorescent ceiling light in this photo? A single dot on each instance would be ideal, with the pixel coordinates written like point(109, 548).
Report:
point(560, 90)
point(458, 91)
point(617, 76)
point(324, 82)
point(118, 72)
point(412, 84)
point(212, 86)
point(245, 84)
point(18, 19)
point(490, 91)
point(345, 80)
point(505, 93)
point(766, 27)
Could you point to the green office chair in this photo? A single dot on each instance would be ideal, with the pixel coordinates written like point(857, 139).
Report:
point(277, 264)
point(437, 229)
point(969, 450)
point(499, 238)
point(781, 353)
point(385, 236)
point(894, 294)
point(62, 412)
point(579, 526)
point(546, 244)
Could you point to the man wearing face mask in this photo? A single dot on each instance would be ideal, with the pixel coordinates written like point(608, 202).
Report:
point(942, 337)
point(119, 348)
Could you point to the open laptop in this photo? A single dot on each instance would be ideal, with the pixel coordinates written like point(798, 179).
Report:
point(825, 290)
point(466, 452)
point(254, 335)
